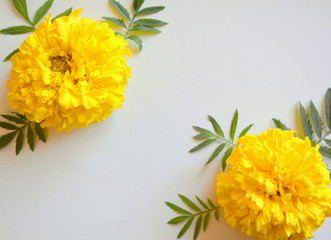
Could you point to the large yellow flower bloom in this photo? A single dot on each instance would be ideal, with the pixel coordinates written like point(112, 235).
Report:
point(69, 73)
point(276, 187)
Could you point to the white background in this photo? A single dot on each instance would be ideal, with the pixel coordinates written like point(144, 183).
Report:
point(110, 180)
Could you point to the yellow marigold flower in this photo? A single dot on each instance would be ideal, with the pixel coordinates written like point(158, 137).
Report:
point(276, 187)
point(69, 73)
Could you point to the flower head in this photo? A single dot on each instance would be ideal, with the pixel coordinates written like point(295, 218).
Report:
point(69, 73)
point(276, 187)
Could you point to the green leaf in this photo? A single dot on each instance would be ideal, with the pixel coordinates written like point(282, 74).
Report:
point(246, 129)
point(304, 120)
point(21, 116)
point(217, 216)
point(150, 22)
point(6, 139)
point(197, 227)
point(211, 203)
point(137, 40)
point(65, 13)
point(225, 157)
point(21, 8)
point(317, 121)
point(216, 126)
point(201, 202)
point(40, 132)
point(279, 124)
point(216, 153)
point(205, 131)
point(150, 10)
point(8, 126)
point(11, 54)
point(328, 142)
point(206, 221)
point(189, 203)
point(185, 228)
point(19, 142)
point(41, 12)
point(30, 136)
point(325, 151)
point(13, 119)
point(17, 30)
point(137, 4)
point(234, 123)
point(179, 219)
point(116, 21)
point(122, 10)
point(202, 145)
point(328, 108)
point(138, 28)
point(201, 136)
point(118, 33)
point(177, 209)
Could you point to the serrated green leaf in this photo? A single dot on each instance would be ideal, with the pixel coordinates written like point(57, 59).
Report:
point(177, 209)
point(185, 228)
point(245, 131)
point(201, 136)
point(7, 126)
point(279, 124)
point(116, 21)
point(325, 151)
point(150, 22)
point(30, 136)
point(6, 139)
point(205, 131)
point(217, 217)
point(204, 205)
point(327, 106)
point(121, 10)
point(21, 116)
point(189, 203)
point(216, 126)
point(139, 28)
point(137, 4)
point(17, 30)
point(65, 13)
point(19, 142)
point(211, 203)
point(328, 142)
point(216, 153)
point(11, 54)
point(202, 145)
point(225, 157)
point(234, 123)
point(41, 12)
point(179, 219)
point(197, 227)
point(206, 221)
point(150, 10)
point(13, 119)
point(317, 121)
point(304, 120)
point(40, 132)
point(21, 8)
point(137, 40)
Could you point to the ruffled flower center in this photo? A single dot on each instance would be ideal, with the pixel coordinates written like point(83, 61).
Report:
point(60, 64)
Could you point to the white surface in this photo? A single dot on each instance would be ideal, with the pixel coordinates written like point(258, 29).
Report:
point(110, 180)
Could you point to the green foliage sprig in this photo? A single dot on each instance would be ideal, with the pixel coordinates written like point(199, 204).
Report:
point(129, 24)
point(313, 126)
point(202, 214)
point(17, 124)
point(209, 137)
point(21, 8)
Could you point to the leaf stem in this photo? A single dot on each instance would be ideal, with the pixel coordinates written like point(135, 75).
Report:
point(128, 30)
point(323, 137)
point(225, 140)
